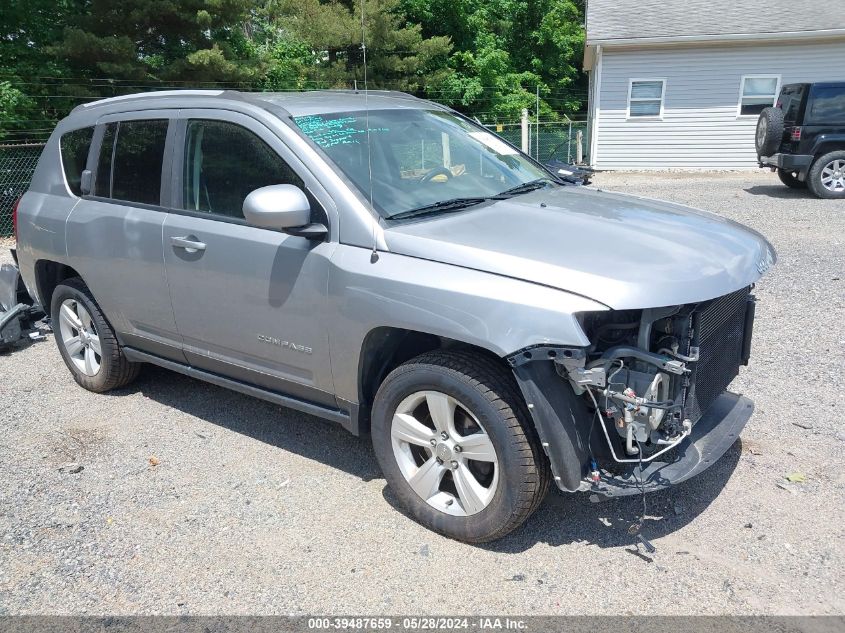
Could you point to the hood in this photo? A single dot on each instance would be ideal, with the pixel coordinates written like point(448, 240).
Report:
point(620, 250)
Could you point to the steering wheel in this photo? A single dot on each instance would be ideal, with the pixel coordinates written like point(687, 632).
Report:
point(437, 171)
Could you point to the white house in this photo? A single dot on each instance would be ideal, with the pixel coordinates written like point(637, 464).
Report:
point(679, 84)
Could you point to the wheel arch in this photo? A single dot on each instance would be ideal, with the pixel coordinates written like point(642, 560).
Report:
point(48, 275)
point(384, 348)
point(828, 143)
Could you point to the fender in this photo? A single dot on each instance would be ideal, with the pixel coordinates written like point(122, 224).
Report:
point(489, 311)
point(825, 143)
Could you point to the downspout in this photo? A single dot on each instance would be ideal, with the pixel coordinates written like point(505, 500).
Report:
point(595, 108)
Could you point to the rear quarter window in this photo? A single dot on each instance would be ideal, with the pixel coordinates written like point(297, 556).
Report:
point(827, 105)
point(74, 148)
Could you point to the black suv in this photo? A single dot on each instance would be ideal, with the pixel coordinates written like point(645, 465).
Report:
point(803, 137)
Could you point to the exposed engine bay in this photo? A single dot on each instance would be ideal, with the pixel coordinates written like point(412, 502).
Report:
point(650, 374)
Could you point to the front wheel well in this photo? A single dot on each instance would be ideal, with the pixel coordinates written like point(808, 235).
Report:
point(385, 348)
point(48, 275)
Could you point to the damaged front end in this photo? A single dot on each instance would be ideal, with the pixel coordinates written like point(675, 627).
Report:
point(648, 405)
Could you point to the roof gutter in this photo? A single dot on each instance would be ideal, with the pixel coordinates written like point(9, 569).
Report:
point(669, 40)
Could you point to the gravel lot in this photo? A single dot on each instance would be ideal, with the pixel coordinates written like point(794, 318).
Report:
point(194, 499)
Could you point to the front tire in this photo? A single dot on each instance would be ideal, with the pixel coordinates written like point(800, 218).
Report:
point(790, 179)
point(87, 341)
point(454, 441)
point(827, 176)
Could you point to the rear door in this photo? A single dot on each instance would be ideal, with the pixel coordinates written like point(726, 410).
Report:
point(114, 233)
point(250, 303)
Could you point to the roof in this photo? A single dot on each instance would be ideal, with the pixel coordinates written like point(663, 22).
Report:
point(293, 103)
point(618, 21)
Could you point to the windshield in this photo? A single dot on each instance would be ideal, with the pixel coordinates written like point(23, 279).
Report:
point(419, 157)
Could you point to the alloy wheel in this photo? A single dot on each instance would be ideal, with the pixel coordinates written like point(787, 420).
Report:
point(833, 176)
point(444, 453)
point(79, 337)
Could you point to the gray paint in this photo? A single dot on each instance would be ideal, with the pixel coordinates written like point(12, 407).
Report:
point(503, 278)
point(629, 19)
point(621, 251)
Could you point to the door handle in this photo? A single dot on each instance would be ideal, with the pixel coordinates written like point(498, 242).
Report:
point(189, 243)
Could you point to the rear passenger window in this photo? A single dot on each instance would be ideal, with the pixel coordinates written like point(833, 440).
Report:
point(224, 162)
point(138, 154)
point(75, 146)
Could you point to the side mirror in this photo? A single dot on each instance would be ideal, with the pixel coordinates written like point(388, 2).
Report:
point(277, 207)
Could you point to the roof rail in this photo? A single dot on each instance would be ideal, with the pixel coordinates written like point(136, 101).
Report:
point(156, 93)
point(390, 93)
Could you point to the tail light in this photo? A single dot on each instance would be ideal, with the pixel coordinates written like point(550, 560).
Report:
point(796, 133)
point(15, 218)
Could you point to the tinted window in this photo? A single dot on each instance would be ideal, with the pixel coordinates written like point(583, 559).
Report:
point(827, 105)
point(790, 102)
point(102, 185)
point(224, 163)
point(136, 174)
point(75, 146)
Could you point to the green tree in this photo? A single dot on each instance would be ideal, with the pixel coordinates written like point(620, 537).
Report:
point(186, 41)
point(505, 50)
point(398, 56)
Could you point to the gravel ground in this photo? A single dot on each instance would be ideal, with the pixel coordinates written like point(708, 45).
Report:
point(194, 499)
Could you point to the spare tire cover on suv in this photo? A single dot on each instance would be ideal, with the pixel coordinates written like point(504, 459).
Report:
point(769, 131)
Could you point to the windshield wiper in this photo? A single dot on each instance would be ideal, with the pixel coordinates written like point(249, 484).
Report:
point(443, 206)
point(525, 187)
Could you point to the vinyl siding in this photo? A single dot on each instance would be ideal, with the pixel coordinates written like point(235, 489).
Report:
point(700, 128)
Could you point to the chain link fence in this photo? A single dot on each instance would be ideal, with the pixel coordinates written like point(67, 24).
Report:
point(548, 140)
point(17, 164)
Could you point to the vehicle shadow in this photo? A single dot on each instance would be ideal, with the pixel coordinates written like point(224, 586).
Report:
point(572, 518)
point(300, 433)
point(779, 191)
point(562, 519)
point(566, 518)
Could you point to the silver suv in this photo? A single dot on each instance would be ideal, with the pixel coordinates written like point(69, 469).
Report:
point(386, 263)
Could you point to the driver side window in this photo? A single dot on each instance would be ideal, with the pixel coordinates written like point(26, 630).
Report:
point(224, 162)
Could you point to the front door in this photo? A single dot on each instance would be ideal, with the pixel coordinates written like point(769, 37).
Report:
point(249, 302)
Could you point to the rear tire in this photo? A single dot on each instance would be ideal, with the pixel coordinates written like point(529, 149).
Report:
point(87, 341)
point(446, 406)
point(790, 179)
point(827, 176)
point(769, 133)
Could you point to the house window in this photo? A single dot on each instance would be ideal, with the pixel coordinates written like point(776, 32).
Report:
point(758, 92)
point(645, 97)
